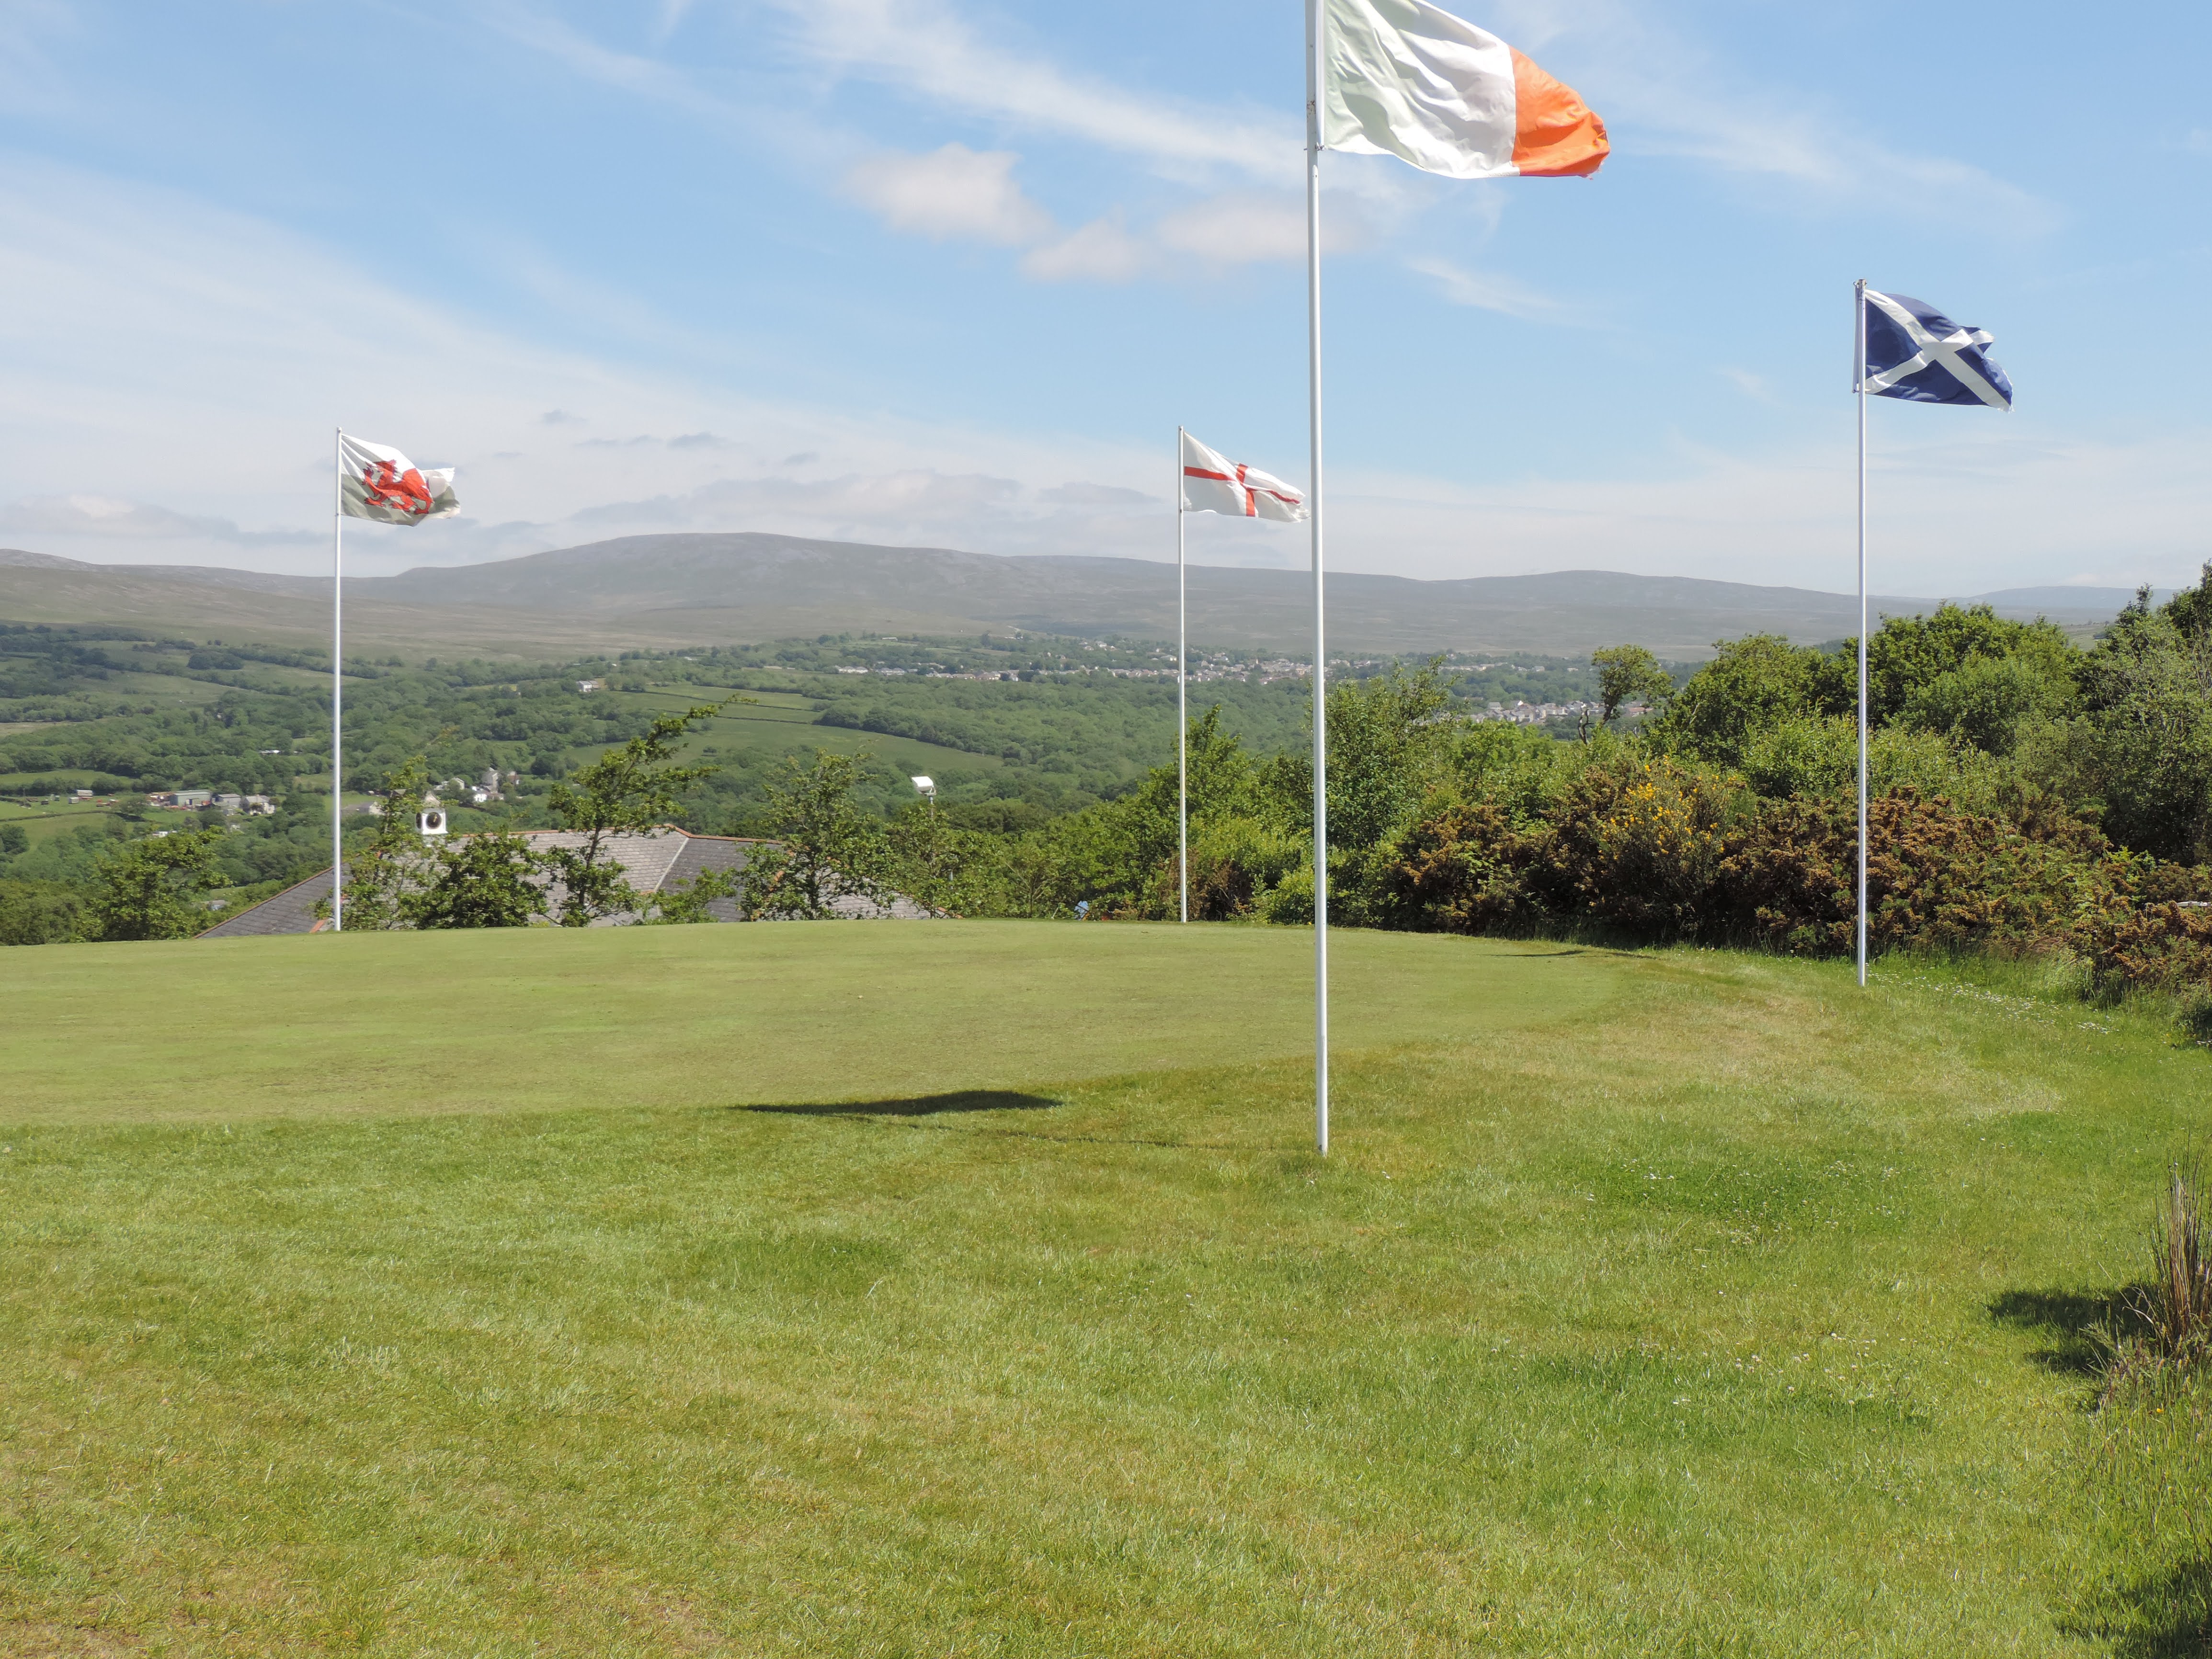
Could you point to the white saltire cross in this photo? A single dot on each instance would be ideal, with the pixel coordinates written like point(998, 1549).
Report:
point(1946, 350)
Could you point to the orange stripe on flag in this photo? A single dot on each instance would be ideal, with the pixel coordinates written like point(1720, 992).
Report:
point(1555, 135)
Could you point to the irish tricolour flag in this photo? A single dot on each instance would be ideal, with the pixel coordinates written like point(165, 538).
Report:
point(1400, 77)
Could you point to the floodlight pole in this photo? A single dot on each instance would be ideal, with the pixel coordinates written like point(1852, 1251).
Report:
point(1183, 701)
point(1321, 649)
point(1859, 384)
point(338, 682)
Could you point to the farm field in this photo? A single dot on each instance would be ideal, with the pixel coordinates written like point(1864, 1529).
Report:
point(775, 723)
point(38, 819)
point(648, 1291)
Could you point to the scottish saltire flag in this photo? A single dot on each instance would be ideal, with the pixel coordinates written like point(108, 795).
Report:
point(1915, 352)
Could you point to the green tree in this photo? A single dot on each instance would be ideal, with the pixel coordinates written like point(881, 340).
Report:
point(1983, 701)
point(14, 839)
point(634, 787)
point(150, 887)
point(1907, 656)
point(829, 850)
point(693, 901)
point(1389, 743)
point(2145, 752)
point(1751, 684)
point(39, 912)
point(1625, 674)
point(381, 875)
point(489, 879)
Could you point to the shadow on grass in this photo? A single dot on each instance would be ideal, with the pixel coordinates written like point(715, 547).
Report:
point(2073, 1319)
point(2168, 1617)
point(962, 1100)
point(911, 1110)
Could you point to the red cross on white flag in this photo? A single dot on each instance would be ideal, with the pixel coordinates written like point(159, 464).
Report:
point(1211, 484)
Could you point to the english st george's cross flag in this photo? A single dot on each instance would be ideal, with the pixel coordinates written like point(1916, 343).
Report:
point(1211, 484)
point(1400, 77)
point(383, 484)
point(1915, 352)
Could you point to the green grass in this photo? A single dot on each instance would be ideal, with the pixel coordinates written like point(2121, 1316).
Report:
point(779, 723)
point(40, 819)
point(316, 1026)
point(628, 1292)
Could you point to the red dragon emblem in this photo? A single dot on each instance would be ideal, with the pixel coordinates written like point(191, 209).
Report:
point(402, 492)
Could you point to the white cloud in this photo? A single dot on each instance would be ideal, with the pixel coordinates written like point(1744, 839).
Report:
point(927, 47)
point(1487, 291)
point(1096, 495)
point(1666, 94)
point(1100, 252)
point(893, 507)
point(1242, 228)
point(1754, 387)
point(162, 351)
point(2012, 505)
point(29, 82)
point(672, 13)
point(108, 518)
point(953, 193)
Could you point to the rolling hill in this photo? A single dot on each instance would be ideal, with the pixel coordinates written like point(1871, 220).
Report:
point(642, 591)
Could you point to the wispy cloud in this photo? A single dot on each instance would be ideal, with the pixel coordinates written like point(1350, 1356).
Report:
point(1244, 228)
point(1754, 387)
point(953, 193)
point(646, 77)
point(110, 519)
point(928, 48)
point(1488, 291)
point(1102, 251)
point(30, 83)
point(1665, 93)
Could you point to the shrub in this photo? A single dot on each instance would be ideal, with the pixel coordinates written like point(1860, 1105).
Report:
point(2164, 1327)
point(1234, 863)
point(1660, 852)
point(1935, 876)
point(2153, 947)
point(1640, 849)
point(1466, 871)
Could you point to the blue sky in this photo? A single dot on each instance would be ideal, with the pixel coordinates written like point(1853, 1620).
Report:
point(949, 272)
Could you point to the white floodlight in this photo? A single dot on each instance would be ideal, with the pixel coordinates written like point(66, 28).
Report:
point(927, 785)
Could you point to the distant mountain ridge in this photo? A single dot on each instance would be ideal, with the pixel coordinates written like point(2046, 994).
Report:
point(641, 591)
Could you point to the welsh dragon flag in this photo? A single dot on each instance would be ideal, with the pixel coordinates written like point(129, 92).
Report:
point(383, 484)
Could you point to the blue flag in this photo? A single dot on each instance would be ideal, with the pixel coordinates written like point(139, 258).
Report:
point(1915, 352)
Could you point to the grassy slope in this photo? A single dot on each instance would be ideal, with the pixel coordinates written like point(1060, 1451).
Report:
point(371, 1024)
point(776, 724)
point(1668, 1303)
point(39, 820)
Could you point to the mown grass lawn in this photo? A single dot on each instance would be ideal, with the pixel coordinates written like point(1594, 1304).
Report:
point(632, 1293)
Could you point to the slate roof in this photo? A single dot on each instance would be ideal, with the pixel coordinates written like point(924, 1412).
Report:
point(653, 860)
point(292, 911)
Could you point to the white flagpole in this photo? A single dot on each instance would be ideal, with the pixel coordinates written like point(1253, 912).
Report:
point(1183, 701)
point(1320, 649)
point(1858, 383)
point(338, 682)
